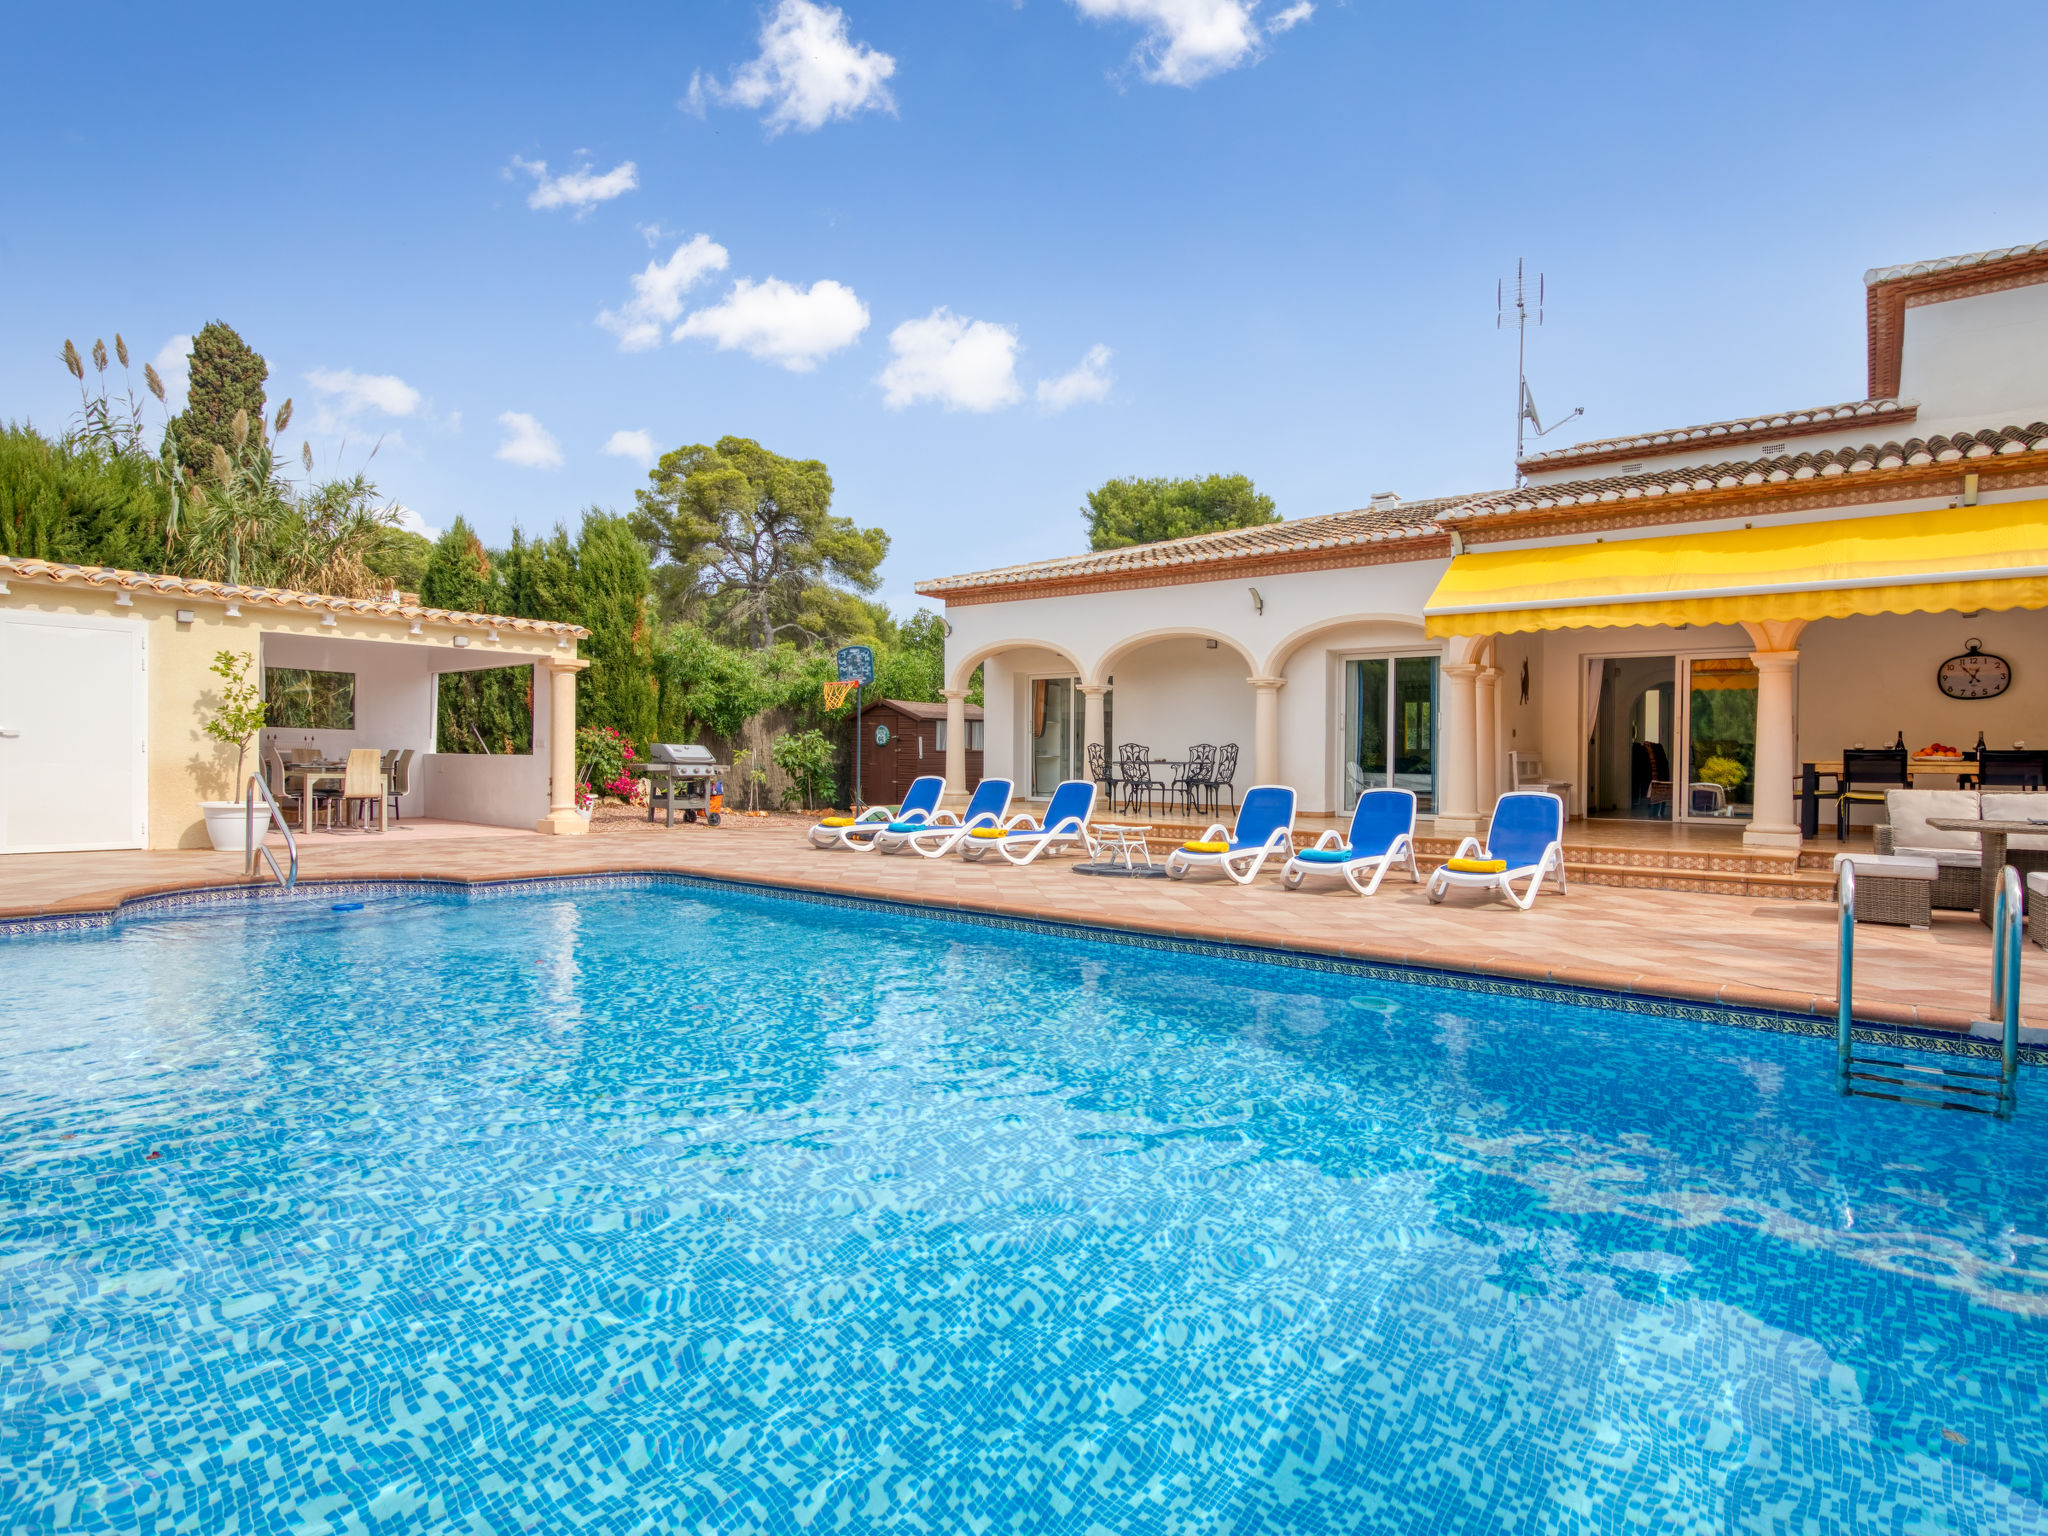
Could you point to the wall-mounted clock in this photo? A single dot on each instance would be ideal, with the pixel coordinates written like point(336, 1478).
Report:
point(1975, 674)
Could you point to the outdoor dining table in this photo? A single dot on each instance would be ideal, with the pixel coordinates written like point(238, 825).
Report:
point(1992, 835)
point(312, 774)
point(1917, 767)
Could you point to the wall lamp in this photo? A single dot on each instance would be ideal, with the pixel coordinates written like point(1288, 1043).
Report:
point(494, 637)
point(462, 639)
point(186, 615)
point(328, 621)
point(232, 611)
point(123, 600)
point(3, 589)
point(1258, 602)
point(415, 627)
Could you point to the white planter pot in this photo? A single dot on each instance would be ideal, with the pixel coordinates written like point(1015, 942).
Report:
point(227, 823)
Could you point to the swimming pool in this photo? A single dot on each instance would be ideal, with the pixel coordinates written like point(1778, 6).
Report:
point(668, 1208)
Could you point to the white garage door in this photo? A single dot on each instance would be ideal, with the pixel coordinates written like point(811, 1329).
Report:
point(73, 719)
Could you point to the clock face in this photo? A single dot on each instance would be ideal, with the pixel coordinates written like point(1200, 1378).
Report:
point(1974, 675)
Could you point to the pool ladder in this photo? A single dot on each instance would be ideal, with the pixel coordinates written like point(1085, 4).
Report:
point(288, 877)
point(1973, 1090)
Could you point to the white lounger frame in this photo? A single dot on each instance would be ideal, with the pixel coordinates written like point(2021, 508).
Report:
point(1240, 864)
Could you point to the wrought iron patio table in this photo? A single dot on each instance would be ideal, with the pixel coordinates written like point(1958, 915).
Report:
point(1122, 841)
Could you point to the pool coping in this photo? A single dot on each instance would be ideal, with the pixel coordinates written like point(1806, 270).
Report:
point(1741, 1006)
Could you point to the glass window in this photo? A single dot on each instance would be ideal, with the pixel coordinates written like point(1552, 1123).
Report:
point(1390, 724)
point(1056, 725)
point(973, 735)
point(302, 700)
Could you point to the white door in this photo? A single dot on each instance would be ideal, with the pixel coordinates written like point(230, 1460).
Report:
point(73, 734)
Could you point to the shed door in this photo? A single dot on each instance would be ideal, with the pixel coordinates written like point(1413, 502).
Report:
point(73, 734)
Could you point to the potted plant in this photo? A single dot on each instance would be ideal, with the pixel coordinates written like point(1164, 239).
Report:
point(235, 721)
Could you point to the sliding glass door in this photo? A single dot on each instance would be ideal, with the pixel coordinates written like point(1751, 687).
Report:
point(1390, 725)
point(1720, 738)
point(1674, 738)
point(1057, 721)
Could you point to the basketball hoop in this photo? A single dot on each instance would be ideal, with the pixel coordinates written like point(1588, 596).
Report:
point(837, 694)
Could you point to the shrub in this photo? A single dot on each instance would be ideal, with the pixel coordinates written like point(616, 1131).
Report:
point(806, 756)
point(605, 755)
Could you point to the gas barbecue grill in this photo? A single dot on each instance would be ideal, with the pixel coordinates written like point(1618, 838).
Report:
point(685, 776)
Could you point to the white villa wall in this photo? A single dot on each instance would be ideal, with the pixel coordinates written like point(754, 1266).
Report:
point(1977, 361)
point(1174, 693)
point(1006, 731)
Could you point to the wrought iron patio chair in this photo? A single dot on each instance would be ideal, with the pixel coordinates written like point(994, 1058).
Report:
point(1224, 775)
point(1134, 761)
point(1196, 775)
point(1105, 777)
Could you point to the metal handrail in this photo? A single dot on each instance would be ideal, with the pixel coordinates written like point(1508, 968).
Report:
point(1845, 970)
point(2008, 926)
point(255, 845)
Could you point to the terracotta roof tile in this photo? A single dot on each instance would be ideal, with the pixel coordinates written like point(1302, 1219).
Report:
point(274, 597)
point(1877, 275)
point(1733, 474)
point(1819, 418)
point(918, 709)
point(1386, 521)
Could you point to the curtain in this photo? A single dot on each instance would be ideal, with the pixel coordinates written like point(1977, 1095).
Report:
point(1594, 667)
point(1038, 708)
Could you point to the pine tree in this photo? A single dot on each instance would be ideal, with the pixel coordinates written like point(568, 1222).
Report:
point(614, 583)
point(227, 376)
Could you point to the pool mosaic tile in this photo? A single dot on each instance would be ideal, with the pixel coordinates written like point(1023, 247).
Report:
point(664, 1206)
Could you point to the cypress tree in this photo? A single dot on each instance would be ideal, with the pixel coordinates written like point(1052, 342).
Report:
point(227, 376)
point(459, 573)
point(540, 578)
point(613, 583)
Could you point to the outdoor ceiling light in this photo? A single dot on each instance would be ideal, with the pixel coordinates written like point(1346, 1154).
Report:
point(415, 627)
point(328, 620)
point(186, 615)
point(123, 600)
point(3, 589)
point(234, 611)
point(462, 639)
point(561, 641)
point(494, 637)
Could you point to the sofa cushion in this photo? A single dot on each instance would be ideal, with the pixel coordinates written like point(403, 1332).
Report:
point(2018, 805)
point(1948, 858)
point(1911, 809)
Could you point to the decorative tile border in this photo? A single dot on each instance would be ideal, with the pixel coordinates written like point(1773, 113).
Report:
point(313, 893)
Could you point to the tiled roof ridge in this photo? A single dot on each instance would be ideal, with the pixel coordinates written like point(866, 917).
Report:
point(29, 568)
point(1326, 530)
point(1820, 418)
point(1877, 275)
point(1914, 453)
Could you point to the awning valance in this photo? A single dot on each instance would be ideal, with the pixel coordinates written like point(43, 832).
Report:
point(1957, 558)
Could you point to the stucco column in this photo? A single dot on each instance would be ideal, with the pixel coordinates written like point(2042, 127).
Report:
point(1775, 822)
point(956, 741)
point(1266, 728)
point(1092, 731)
point(561, 817)
point(1487, 720)
point(1458, 779)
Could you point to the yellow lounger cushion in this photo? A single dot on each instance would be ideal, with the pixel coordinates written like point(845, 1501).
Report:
point(1206, 847)
point(1477, 866)
point(836, 821)
point(986, 832)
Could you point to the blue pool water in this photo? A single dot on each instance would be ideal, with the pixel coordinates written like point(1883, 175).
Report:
point(680, 1210)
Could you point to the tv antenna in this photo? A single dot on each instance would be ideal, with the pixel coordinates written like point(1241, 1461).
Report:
point(1525, 404)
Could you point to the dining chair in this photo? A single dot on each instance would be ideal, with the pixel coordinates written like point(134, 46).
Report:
point(1867, 776)
point(1197, 774)
point(2017, 769)
point(1100, 771)
point(1224, 775)
point(399, 780)
point(362, 786)
point(287, 799)
point(1134, 762)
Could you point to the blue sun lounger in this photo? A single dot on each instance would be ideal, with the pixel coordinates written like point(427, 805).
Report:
point(935, 839)
point(1065, 826)
point(1265, 827)
point(920, 805)
point(1524, 841)
point(1382, 835)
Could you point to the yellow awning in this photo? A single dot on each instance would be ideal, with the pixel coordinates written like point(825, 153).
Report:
point(1958, 558)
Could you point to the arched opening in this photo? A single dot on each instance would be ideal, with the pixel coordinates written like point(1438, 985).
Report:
point(1183, 697)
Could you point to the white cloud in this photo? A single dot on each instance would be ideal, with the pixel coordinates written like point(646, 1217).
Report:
point(634, 444)
point(1187, 41)
point(174, 367)
point(1289, 19)
point(809, 71)
point(1087, 383)
point(412, 522)
point(965, 365)
point(527, 442)
point(581, 189)
point(658, 294)
point(780, 322)
point(344, 393)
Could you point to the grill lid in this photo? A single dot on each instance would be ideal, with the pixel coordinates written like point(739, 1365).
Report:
point(674, 752)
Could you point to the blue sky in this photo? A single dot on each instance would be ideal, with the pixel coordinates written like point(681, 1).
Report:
point(979, 255)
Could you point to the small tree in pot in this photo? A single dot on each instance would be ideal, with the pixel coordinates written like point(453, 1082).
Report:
point(234, 723)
